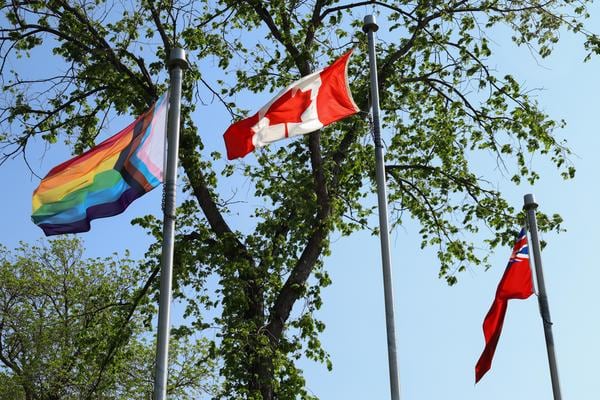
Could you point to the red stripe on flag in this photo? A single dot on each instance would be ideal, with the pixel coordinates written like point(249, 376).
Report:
point(101, 146)
point(334, 100)
point(238, 137)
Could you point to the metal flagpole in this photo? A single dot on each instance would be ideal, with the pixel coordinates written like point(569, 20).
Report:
point(530, 206)
point(370, 26)
point(177, 63)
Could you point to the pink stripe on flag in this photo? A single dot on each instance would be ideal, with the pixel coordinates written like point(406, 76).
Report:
point(151, 153)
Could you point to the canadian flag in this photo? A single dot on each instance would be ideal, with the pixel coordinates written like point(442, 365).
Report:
point(305, 106)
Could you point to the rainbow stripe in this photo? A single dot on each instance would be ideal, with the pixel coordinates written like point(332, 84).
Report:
point(104, 180)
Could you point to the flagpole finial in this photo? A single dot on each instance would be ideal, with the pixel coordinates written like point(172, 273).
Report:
point(529, 202)
point(370, 24)
point(177, 58)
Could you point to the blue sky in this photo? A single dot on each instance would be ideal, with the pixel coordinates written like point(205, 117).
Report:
point(439, 328)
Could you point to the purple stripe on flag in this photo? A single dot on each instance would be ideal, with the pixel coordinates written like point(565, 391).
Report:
point(98, 211)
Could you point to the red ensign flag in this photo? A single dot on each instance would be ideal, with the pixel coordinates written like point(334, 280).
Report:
point(516, 283)
point(305, 106)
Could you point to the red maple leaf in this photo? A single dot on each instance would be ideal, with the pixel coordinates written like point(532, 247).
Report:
point(289, 107)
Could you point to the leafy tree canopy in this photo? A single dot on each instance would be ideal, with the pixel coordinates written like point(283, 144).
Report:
point(443, 106)
point(60, 318)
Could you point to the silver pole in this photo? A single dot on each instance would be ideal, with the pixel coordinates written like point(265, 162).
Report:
point(530, 206)
point(370, 26)
point(177, 63)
